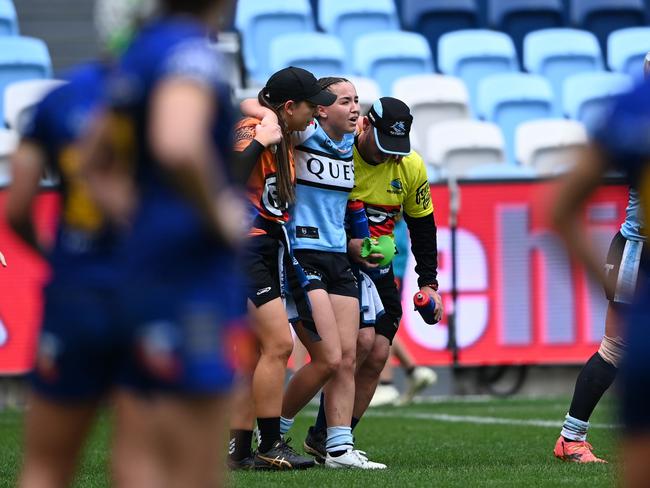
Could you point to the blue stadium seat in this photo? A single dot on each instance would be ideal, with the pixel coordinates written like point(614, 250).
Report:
point(350, 19)
point(432, 18)
point(474, 54)
point(586, 95)
point(8, 19)
point(509, 99)
point(319, 53)
point(22, 58)
point(559, 53)
point(261, 21)
point(626, 49)
point(602, 17)
point(519, 17)
point(500, 171)
point(386, 56)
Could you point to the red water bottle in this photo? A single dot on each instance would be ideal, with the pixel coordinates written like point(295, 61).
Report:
point(425, 306)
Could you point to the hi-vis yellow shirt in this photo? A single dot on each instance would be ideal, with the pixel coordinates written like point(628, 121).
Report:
point(389, 187)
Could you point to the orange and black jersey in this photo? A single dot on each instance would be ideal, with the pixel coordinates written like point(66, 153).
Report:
point(261, 186)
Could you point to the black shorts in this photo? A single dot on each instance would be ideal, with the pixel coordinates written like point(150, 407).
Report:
point(623, 260)
point(261, 262)
point(388, 323)
point(329, 271)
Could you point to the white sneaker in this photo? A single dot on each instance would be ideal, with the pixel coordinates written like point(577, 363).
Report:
point(384, 395)
point(420, 379)
point(352, 459)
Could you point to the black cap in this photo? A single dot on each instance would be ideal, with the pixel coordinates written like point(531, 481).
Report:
point(296, 84)
point(391, 119)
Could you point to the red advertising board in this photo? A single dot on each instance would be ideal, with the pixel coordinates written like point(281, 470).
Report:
point(521, 300)
point(20, 287)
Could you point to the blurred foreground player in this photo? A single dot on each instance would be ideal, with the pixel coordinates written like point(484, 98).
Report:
point(622, 268)
point(621, 142)
point(81, 354)
point(169, 126)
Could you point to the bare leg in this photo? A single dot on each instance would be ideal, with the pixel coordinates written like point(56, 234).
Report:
point(368, 374)
point(272, 329)
point(325, 356)
point(191, 432)
point(134, 458)
point(299, 354)
point(54, 436)
point(339, 391)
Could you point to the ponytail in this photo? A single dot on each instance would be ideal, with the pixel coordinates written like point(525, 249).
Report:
point(286, 191)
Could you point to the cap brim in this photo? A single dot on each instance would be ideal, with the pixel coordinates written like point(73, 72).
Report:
point(323, 98)
point(400, 146)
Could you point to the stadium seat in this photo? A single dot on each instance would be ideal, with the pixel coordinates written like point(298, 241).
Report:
point(350, 19)
point(261, 21)
point(8, 19)
point(319, 53)
point(368, 91)
point(458, 145)
point(432, 18)
point(8, 143)
point(22, 58)
point(520, 17)
point(20, 96)
point(508, 99)
point(499, 171)
point(474, 54)
point(432, 99)
point(558, 53)
point(586, 95)
point(602, 17)
point(386, 56)
point(549, 144)
point(626, 49)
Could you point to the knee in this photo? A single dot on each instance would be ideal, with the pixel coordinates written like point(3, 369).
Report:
point(279, 349)
point(329, 364)
point(612, 350)
point(348, 362)
point(377, 357)
point(364, 342)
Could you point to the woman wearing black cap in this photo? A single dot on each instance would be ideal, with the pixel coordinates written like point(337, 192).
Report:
point(293, 94)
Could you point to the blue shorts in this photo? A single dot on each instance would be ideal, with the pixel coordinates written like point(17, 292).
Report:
point(180, 334)
point(82, 350)
point(635, 370)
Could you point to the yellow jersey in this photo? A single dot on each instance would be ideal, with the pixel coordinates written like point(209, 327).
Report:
point(390, 187)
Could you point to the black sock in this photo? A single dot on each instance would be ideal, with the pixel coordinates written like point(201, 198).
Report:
point(354, 422)
point(594, 379)
point(409, 371)
point(240, 444)
point(269, 432)
point(321, 419)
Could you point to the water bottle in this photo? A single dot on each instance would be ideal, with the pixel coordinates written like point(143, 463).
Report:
point(357, 220)
point(425, 306)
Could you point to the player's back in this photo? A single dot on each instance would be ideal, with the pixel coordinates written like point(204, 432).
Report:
point(169, 239)
point(84, 247)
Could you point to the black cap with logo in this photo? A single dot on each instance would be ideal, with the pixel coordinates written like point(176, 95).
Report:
point(296, 84)
point(391, 119)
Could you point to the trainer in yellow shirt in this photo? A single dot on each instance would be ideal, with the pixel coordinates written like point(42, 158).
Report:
point(391, 179)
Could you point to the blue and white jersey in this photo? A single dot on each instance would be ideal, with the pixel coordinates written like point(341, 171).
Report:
point(633, 224)
point(325, 177)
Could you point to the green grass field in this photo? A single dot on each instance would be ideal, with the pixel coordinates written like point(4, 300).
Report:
point(459, 443)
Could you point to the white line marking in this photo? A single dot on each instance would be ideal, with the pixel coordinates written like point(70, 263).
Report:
point(475, 419)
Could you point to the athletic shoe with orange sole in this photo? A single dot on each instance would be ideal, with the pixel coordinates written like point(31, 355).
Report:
point(575, 452)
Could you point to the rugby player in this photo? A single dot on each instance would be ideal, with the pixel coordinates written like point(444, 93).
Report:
point(620, 142)
point(626, 251)
point(389, 179)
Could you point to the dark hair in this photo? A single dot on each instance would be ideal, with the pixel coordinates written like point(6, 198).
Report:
point(189, 6)
point(326, 82)
point(286, 191)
